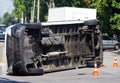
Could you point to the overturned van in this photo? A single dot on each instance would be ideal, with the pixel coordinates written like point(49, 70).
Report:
point(52, 46)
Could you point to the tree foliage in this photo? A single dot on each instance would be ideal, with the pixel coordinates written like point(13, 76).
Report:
point(19, 7)
point(6, 19)
point(109, 15)
point(115, 16)
point(104, 14)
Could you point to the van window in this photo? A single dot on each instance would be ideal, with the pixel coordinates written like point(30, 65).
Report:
point(2, 28)
point(106, 37)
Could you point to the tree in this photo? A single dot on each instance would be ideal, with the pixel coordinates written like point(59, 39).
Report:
point(26, 6)
point(109, 15)
point(0, 20)
point(70, 3)
point(7, 18)
point(104, 13)
point(19, 7)
point(115, 17)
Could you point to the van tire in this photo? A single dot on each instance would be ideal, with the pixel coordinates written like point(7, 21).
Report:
point(35, 71)
point(18, 69)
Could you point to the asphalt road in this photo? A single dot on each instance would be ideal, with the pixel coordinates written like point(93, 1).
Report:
point(108, 74)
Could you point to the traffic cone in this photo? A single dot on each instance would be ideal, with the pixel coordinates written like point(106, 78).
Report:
point(115, 64)
point(95, 72)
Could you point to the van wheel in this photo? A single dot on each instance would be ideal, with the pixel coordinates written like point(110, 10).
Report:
point(35, 71)
point(18, 69)
point(116, 47)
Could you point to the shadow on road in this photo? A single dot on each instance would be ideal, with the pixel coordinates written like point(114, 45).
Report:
point(5, 80)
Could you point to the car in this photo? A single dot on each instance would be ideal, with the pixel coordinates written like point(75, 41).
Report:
point(110, 43)
point(2, 32)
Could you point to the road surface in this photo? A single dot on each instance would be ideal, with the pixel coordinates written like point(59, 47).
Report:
point(108, 74)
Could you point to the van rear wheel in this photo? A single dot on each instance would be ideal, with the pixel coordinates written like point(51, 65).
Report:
point(19, 69)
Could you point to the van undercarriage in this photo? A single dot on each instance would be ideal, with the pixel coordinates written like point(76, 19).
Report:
point(39, 48)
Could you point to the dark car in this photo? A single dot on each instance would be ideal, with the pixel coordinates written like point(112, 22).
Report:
point(110, 43)
point(2, 32)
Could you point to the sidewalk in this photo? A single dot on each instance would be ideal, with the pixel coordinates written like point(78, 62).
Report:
point(3, 62)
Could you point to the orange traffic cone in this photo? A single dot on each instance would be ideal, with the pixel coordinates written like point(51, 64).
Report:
point(95, 72)
point(115, 64)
